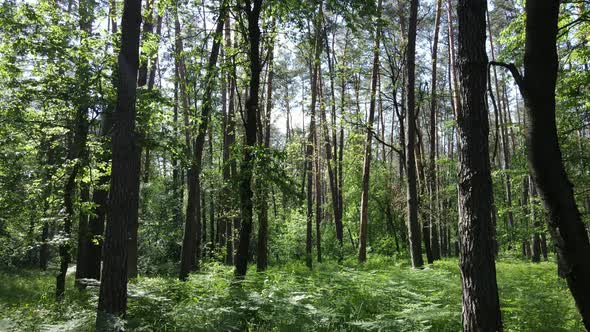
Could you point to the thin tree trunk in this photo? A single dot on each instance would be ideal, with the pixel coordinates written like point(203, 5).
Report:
point(78, 154)
point(262, 247)
point(310, 149)
point(433, 220)
point(229, 165)
point(332, 155)
point(362, 256)
point(190, 242)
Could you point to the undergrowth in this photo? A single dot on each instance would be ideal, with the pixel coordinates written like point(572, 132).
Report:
point(381, 295)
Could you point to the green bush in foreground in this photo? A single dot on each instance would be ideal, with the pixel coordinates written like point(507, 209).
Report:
point(382, 295)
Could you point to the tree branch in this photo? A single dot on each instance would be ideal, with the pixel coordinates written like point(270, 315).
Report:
point(514, 71)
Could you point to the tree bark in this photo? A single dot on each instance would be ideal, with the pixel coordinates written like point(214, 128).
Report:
point(481, 306)
point(537, 87)
point(124, 190)
point(253, 9)
point(412, 194)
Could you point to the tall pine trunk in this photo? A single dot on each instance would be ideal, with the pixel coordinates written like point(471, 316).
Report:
point(481, 305)
point(124, 190)
point(412, 192)
point(362, 256)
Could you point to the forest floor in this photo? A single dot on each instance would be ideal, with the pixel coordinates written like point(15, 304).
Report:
point(381, 295)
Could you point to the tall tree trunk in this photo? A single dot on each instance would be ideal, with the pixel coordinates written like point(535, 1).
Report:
point(190, 242)
point(481, 305)
point(318, 190)
point(229, 165)
point(262, 246)
point(253, 9)
point(78, 155)
point(537, 87)
point(433, 220)
point(311, 140)
point(412, 193)
point(332, 154)
point(124, 190)
point(368, 144)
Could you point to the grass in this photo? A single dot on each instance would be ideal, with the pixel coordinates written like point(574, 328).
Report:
point(381, 295)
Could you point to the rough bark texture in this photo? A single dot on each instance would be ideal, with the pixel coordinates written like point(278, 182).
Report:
point(481, 306)
point(412, 193)
point(253, 9)
point(124, 191)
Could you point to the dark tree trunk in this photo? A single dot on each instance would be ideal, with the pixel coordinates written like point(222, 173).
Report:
point(481, 306)
point(253, 9)
point(412, 193)
point(124, 190)
point(191, 239)
point(545, 159)
point(77, 154)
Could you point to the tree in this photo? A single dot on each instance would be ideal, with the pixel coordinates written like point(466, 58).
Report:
point(189, 257)
point(537, 87)
point(412, 193)
point(252, 10)
point(262, 245)
point(310, 148)
point(124, 190)
point(434, 222)
point(362, 257)
point(481, 305)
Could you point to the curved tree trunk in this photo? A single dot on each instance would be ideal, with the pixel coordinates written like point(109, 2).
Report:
point(545, 159)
